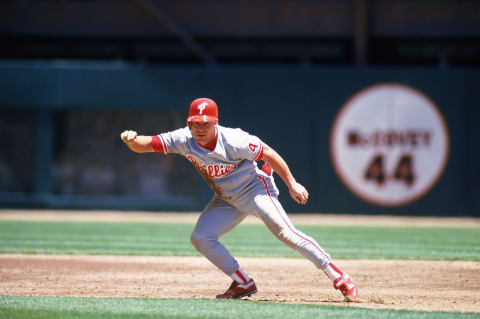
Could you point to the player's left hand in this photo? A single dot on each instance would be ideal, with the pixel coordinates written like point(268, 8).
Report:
point(299, 193)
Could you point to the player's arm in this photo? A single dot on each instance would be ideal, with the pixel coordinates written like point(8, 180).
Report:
point(297, 191)
point(137, 143)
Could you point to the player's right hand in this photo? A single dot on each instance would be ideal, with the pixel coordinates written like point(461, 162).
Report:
point(128, 136)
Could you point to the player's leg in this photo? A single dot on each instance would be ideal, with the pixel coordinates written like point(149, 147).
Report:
point(273, 215)
point(218, 218)
point(270, 211)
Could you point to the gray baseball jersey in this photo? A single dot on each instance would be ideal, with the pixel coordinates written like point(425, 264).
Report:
point(230, 168)
point(241, 189)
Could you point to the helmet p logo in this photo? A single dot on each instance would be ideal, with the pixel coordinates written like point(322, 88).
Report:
point(202, 107)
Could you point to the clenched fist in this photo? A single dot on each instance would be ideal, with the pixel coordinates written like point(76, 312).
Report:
point(128, 137)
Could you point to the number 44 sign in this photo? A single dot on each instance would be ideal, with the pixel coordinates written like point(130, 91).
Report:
point(389, 144)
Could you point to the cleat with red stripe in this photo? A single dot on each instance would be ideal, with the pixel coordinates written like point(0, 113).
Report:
point(347, 287)
point(238, 290)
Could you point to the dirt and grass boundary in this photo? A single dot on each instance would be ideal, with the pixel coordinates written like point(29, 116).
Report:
point(393, 284)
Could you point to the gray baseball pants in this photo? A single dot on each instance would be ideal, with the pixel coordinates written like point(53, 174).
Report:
point(220, 216)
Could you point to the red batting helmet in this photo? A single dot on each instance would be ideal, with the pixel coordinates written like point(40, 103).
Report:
point(203, 110)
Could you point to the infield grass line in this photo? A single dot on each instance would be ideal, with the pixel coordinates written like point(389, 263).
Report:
point(157, 239)
point(12, 307)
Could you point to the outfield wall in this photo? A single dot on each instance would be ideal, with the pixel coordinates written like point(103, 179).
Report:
point(291, 108)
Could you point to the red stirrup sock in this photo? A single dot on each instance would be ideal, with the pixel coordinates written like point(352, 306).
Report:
point(240, 277)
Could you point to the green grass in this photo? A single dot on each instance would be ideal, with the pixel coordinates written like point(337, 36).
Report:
point(246, 240)
point(88, 308)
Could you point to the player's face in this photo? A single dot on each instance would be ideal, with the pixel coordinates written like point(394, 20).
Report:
point(203, 132)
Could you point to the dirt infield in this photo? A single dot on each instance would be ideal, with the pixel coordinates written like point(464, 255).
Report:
point(419, 285)
point(415, 285)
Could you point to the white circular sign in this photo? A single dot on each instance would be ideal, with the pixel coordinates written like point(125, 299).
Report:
point(389, 144)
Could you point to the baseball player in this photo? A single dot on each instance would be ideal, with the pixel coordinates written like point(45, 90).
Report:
point(226, 159)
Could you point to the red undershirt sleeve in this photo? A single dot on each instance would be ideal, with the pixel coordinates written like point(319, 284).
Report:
point(158, 145)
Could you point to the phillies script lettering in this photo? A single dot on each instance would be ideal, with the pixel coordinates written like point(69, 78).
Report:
point(212, 171)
